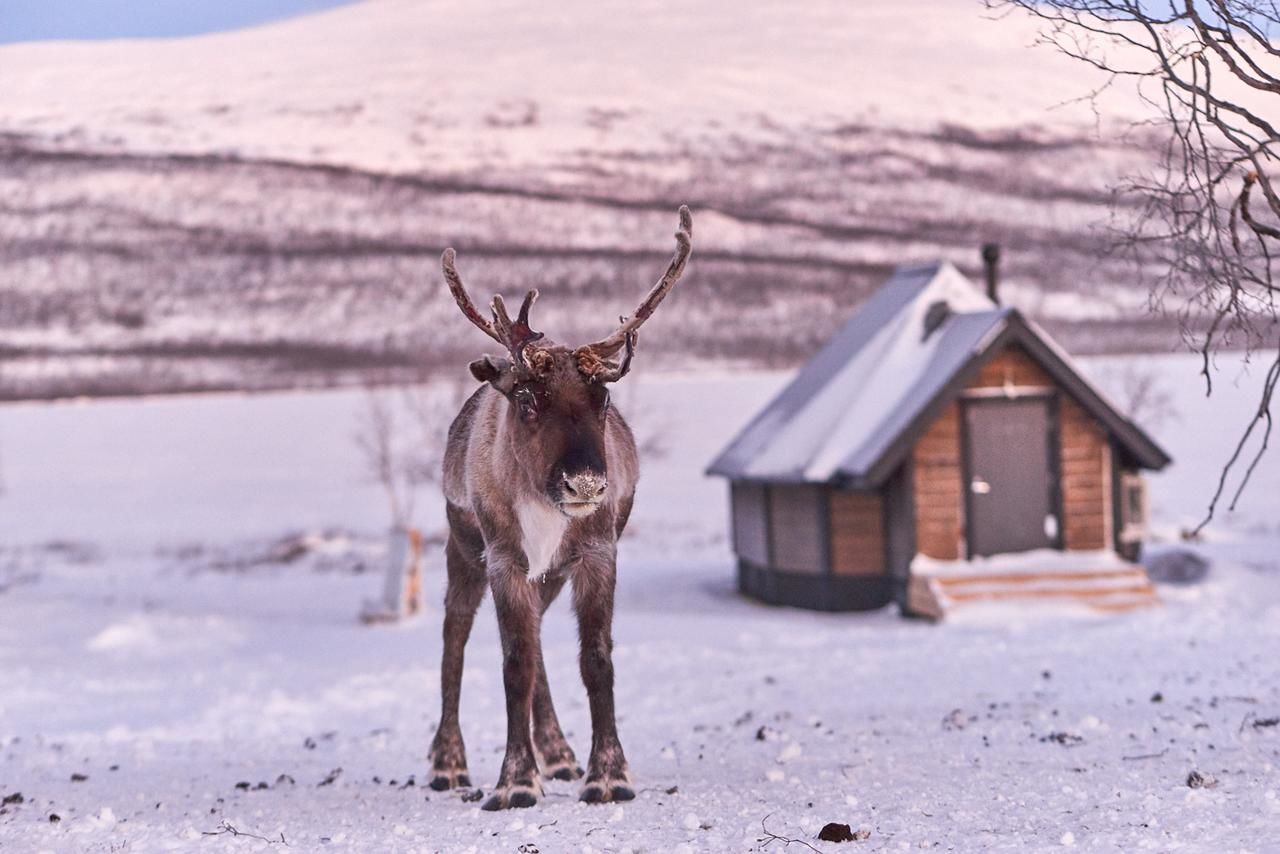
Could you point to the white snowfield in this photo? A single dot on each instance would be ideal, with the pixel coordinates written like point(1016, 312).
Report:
point(403, 85)
point(147, 645)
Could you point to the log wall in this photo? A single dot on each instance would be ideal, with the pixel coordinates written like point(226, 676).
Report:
point(857, 533)
point(1011, 367)
point(937, 484)
point(1086, 480)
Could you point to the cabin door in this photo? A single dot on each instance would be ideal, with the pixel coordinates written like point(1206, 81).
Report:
point(1010, 468)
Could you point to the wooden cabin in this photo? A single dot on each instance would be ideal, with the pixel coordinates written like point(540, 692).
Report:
point(939, 447)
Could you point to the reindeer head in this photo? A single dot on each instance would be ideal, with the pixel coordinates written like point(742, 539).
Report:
point(558, 397)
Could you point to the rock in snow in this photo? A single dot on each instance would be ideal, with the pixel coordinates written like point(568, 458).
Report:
point(1176, 566)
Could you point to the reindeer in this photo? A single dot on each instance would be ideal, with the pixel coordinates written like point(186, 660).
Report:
point(539, 477)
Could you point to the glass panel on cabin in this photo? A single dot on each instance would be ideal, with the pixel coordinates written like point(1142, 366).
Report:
point(1133, 507)
point(797, 528)
point(750, 523)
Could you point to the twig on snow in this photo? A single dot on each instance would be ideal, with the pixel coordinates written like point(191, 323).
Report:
point(227, 828)
point(1258, 723)
point(771, 837)
point(1145, 756)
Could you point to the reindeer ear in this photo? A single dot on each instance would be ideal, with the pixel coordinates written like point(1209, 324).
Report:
point(499, 373)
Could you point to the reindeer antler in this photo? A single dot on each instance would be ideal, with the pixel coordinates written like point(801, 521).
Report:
point(625, 333)
point(515, 336)
point(590, 363)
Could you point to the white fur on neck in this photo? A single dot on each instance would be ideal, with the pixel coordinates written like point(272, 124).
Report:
point(542, 528)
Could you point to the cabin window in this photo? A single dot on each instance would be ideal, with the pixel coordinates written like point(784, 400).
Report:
point(750, 523)
point(1133, 507)
point(797, 528)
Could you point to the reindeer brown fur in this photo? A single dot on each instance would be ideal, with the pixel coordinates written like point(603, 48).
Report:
point(539, 477)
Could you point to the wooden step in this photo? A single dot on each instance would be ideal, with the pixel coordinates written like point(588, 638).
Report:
point(1048, 593)
point(1110, 590)
point(1025, 577)
point(1131, 605)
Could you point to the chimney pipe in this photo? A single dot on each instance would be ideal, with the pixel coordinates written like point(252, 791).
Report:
point(991, 266)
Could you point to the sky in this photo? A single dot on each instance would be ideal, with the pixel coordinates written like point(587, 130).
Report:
point(43, 20)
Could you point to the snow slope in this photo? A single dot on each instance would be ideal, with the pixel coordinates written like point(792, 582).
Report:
point(153, 651)
point(403, 84)
point(266, 208)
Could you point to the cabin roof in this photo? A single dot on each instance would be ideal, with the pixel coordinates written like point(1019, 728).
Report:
point(854, 410)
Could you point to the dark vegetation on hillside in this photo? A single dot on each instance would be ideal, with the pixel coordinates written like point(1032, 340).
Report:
point(126, 273)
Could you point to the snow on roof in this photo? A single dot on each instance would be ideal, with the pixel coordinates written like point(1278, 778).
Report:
point(848, 404)
point(844, 414)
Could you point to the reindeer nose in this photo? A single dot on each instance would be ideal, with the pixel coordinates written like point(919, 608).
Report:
point(585, 486)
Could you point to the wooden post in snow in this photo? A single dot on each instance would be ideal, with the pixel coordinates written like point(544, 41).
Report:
point(402, 590)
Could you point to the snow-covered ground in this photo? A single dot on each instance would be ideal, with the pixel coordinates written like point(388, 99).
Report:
point(154, 641)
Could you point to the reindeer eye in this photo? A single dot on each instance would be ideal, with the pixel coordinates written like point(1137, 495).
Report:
point(527, 403)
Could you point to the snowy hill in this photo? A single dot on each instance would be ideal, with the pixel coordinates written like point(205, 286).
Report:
point(266, 207)
point(497, 81)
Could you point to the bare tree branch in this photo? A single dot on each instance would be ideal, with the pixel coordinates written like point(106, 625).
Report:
point(401, 435)
point(1210, 71)
point(771, 837)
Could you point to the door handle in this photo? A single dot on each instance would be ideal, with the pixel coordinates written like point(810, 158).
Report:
point(978, 486)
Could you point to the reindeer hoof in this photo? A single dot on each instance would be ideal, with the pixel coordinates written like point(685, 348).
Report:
point(443, 781)
point(603, 793)
point(512, 797)
point(566, 771)
point(522, 800)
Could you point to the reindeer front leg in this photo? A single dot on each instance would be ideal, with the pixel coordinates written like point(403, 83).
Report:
point(466, 589)
point(519, 609)
point(555, 756)
point(608, 777)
